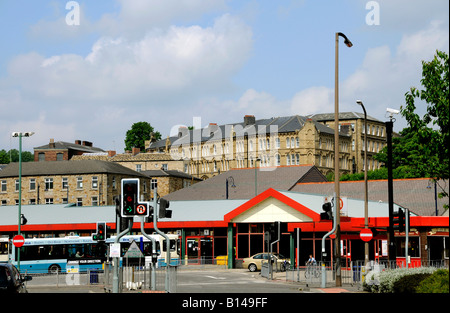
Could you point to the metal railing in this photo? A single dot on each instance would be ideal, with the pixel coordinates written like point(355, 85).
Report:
point(352, 274)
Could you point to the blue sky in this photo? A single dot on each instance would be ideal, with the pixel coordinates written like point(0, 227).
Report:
point(168, 61)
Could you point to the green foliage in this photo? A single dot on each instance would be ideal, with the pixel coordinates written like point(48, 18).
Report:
point(436, 283)
point(138, 134)
point(409, 283)
point(14, 154)
point(429, 134)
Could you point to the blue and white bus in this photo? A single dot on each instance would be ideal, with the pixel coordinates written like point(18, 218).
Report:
point(4, 249)
point(51, 255)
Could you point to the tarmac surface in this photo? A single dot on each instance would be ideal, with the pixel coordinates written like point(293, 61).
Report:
point(279, 279)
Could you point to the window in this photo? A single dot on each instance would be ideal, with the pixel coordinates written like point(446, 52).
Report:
point(32, 183)
point(59, 157)
point(79, 201)
point(277, 143)
point(95, 201)
point(297, 142)
point(288, 159)
point(48, 200)
point(49, 184)
point(139, 166)
point(17, 184)
point(79, 182)
point(94, 182)
point(3, 186)
point(65, 183)
point(41, 156)
point(32, 201)
point(288, 142)
point(278, 158)
point(164, 167)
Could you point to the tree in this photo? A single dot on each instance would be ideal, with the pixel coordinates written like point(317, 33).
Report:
point(138, 134)
point(431, 132)
point(13, 156)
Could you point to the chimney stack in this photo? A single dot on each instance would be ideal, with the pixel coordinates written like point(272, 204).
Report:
point(249, 120)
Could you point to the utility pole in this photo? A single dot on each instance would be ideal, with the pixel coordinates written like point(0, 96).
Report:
point(391, 249)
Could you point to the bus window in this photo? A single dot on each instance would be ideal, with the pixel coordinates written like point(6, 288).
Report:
point(173, 244)
point(75, 250)
point(4, 249)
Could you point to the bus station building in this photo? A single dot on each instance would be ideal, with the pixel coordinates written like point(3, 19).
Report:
point(228, 215)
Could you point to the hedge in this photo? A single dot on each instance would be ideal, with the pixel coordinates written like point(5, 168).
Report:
point(390, 281)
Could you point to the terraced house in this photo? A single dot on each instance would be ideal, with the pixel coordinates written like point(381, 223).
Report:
point(84, 182)
point(273, 142)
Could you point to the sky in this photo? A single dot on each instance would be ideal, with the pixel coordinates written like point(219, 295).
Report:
point(89, 69)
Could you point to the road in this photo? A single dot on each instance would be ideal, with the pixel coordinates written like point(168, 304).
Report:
point(230, 281)
point(214, 280)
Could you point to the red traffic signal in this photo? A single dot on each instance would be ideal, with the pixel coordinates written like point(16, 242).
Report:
point(100, 235)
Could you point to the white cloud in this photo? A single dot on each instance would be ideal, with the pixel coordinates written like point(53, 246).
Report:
point(312, 100)
point(138, 16)
point(164, 70)
point(382, 79)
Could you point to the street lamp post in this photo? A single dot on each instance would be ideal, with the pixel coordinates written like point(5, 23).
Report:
point(256, 176)
point(229, 179)
point(19, 223)
point(336, 157)
point(366, 201)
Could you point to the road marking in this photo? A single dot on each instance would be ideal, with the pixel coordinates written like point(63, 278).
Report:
point(215, 277)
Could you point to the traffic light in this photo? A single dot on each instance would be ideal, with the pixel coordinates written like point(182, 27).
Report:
point(130, 196)
point(101, 231)
point(100, 235)
point(398, 220)
point(267, 236)
point(163, 212)
point(328, 213)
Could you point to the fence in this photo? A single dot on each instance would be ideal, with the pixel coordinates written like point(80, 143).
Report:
point(350, 275)
point(163, 279)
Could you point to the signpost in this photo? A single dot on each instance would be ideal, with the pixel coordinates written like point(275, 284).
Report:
point(366, 235)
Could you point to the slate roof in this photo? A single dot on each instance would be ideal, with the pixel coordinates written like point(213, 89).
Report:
point(67, 168)
point(416, 194)
point(285, 124)
point(62, 145)
point(281, 178)
point(342, 116)
point(168, 173)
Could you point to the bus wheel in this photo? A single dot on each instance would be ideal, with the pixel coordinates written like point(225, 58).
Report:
point(54, 268)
